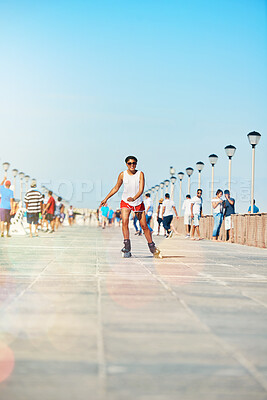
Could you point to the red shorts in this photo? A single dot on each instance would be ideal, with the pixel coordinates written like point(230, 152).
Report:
point(139, 208)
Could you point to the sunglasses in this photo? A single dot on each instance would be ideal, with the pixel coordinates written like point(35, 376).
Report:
point(131, 163)
point(199, 192)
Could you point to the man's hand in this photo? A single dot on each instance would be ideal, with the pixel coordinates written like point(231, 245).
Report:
point(192, 216)
point(103, 202)
point(130, 199)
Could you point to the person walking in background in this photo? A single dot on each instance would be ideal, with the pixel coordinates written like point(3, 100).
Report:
point(58, 212)
point(217, 206)
point(168, 207)
point(6, 207)
point(50, 210)
point(187, 215)
point(255, 208)
point(110, 217)
point(138, 231)
point(42, 217)
point(148, 210)
point(229, 210)
point(71, 215)
point(118, 216)
point(34, 201)
point(104, 213)
point(159, 215)
point(196, 214)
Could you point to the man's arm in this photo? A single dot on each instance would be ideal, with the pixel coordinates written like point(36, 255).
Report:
point(47, 205)
point(12, 206)
point(192, 215)
point(176, 213)
point(1, 184)
point(141, 188)
point(114, 190)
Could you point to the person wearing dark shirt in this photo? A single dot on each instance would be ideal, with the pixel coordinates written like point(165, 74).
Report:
point(229, 210)
point(50, 210)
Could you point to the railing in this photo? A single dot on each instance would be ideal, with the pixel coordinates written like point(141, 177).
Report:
point(249, 229)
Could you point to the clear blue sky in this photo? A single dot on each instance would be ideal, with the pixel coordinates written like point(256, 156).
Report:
point(85, 83)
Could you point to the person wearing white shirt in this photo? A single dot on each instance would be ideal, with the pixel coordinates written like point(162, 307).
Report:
point(196, 213)
point(187, 214)
point(217, 206)
point(167, 211)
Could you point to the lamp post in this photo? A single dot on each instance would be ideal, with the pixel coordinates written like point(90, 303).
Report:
point(34, 181)
point(180, 176)
point(157, 194)
point(172, 171)
point(189, 172)
point(15, 173)
point(253, 138)
point(161, 185)
point(200, 166)
point(167, 182)
point(21, 176)
point(6, 166)
point(213, 159)
point(153, 195)
point(230, 151)
point(27, 177)
point(173, 180)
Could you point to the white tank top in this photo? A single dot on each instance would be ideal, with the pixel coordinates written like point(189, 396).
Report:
point(131, 188)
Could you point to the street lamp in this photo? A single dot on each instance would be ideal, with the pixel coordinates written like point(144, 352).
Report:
point(172, 171)
point(189, 172)
point(6, 166)
point(173, 180)
point(167, 182)
point(180, 176)
point(230, 151)
point(200, 166)
point(21, 176)
point(33, 182)
point(15, 173)
point(153, 195)
point(27, 177)
point(254, 138)
point(157, 194)
point(161, 188)
point(213, 159)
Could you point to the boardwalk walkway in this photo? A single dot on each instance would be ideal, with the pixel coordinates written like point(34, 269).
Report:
point(78, 322)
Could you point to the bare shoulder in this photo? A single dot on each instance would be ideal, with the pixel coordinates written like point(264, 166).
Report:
point(120, 177)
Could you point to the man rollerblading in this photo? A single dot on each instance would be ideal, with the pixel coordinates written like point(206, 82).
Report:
point(134, 183)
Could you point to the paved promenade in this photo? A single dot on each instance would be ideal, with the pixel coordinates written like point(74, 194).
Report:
point(78, 322)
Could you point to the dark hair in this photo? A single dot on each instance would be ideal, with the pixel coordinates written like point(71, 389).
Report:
point(199, 190)
point(130, 158)
point(147, 194)
point(167, 195)
point(219, 191)
point(188, 196)
point(50, 192)
point(226, 191)
point(59, 198)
